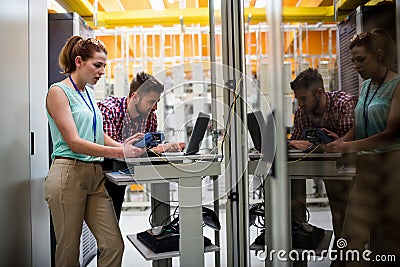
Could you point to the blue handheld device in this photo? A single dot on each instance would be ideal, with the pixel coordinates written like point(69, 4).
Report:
point(317, 136)
point(150, 140)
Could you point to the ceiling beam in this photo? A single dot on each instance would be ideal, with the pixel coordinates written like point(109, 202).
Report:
point(112, 6)
point(327, 3)
point(200, 16)
point(82, 7)
point(308, 3)
point(347, 6)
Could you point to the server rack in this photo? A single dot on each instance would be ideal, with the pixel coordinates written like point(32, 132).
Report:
point(364, 18)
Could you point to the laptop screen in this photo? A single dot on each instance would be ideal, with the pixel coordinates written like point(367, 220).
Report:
point(198, 132)
point(255, 122)
point(262, 133)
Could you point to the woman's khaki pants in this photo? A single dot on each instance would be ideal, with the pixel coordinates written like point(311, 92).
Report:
point(75, 192)
point(373, 213)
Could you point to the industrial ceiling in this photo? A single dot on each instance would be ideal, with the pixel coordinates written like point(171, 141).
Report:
point(116, 13)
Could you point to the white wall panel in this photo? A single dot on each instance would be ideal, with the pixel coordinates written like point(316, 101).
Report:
point(15, 226)
point(38, 126)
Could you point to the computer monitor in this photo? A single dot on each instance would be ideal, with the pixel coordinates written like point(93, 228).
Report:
point(198, 132)
point(256, 124)
point(262, 133)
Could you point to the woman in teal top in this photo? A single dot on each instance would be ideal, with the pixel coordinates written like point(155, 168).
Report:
point(372, 214)
point(74, 186)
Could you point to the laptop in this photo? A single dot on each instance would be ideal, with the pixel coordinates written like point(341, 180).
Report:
point(255, 125)
point(262, 133)
point(199, 130)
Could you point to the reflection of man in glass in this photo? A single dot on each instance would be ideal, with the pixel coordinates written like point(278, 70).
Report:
point(333, 111)
point(125, 116)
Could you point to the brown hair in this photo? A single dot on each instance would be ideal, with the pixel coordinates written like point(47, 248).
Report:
point(374, 40)
point(308, 79)
point(146, 83)
point(78, 46)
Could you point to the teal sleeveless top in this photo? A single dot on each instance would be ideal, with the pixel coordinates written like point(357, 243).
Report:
point(83, 118)
point(377, 111)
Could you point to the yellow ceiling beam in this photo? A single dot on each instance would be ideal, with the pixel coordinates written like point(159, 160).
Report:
point(295, 14)
point(112, 5)
point(151, 17)
point(200, 15)
point(148, 18)
point(375, 2)
point(308, 14)
point(308, 3)
point(344, 6)
point(82, 7)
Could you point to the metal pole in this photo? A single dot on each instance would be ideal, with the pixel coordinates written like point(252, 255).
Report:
point(237, 214)
point(280, 210)
point(217, 254)
point(96, 9)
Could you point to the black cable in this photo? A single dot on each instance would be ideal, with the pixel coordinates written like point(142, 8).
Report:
point(261, 186)
point(257, 210)
point(165, 219)
point(151, 213)
point(226, 126)
point(305, 208)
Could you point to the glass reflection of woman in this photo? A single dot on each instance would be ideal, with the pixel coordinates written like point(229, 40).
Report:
point(372, 211)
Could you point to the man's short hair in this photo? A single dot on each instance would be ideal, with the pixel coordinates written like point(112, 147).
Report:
point(145, 83)
point(308, 79)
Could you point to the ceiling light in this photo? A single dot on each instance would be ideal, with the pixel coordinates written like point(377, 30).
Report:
point(53, 5)
point(121, 6)
point(171, 1)
point(157, 4)
point(217, 4)
point(260, 3)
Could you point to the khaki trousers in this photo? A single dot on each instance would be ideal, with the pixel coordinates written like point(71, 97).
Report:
point(373, 208)
point(75, 192)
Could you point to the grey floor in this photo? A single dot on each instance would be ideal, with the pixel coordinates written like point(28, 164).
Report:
point(134, 220)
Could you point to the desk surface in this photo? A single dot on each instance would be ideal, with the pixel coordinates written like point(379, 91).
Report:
point(127, 179)
point(295, 154)
point(302, 165)
point(145, 172)
point(172, 158)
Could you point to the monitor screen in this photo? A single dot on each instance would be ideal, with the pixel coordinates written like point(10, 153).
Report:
point(198, 132)
point(262, 133)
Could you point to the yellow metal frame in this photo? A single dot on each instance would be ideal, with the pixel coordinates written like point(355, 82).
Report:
point(349, 5)
point(200, 15)
point(82, 7)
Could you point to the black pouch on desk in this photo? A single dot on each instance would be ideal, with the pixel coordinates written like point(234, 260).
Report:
point(163, 243)
point(306, 236)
